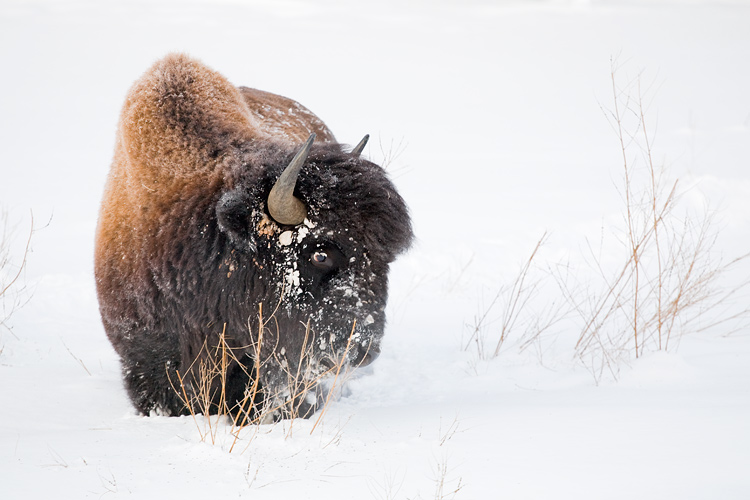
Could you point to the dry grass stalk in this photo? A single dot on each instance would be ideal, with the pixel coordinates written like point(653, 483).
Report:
point(516, 317)
point(338, 367)
point(11, 297)
point(445, 487)
point(205, 391)
point(447, 435)
point(389, 487)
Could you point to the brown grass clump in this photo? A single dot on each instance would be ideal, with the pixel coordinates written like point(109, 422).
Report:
point(206, 393)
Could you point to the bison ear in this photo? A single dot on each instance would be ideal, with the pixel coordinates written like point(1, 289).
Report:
point(233, 213)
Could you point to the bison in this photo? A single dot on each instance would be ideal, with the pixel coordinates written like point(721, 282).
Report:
point(232, 218)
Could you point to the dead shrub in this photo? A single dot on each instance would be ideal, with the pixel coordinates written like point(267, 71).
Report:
point(668, 279)
point(652, 278)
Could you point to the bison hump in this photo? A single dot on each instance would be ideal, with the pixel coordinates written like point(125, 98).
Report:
point(180, 119)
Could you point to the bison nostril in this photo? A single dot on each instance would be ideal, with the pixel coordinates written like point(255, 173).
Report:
point(366, 355)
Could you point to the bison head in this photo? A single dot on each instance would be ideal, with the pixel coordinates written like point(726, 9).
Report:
point(321, 231)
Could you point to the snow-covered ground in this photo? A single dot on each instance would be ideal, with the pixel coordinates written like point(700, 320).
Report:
point(491, 117)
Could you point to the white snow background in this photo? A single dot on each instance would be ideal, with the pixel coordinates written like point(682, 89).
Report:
point(492, 120)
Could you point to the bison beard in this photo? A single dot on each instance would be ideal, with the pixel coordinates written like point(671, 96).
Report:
point(187, 253)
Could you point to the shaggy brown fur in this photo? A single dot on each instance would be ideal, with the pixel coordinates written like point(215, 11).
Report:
point(284, 118)
point(185, 247)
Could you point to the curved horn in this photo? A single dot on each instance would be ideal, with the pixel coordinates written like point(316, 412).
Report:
point(283, 206)
point(361, 146)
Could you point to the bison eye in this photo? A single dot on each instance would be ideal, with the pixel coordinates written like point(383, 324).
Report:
point(321, 260)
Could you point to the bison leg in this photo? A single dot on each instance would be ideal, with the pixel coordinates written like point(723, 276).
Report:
point(149, 366)
point(151, 391)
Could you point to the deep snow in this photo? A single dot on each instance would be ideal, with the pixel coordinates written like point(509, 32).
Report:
point(489, 116)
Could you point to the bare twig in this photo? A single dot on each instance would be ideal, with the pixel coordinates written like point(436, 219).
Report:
point(75, 357)
point(11, 304)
